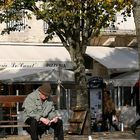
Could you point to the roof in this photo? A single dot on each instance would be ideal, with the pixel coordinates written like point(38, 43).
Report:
point(126, 79)
point(114, 58)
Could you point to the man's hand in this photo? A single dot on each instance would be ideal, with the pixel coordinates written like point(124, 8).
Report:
point(55, 120)
point(45, 121)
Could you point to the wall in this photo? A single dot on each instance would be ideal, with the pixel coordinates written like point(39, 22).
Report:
point(35, 34)
point(100, 70)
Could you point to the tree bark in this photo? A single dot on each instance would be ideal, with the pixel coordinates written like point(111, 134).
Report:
point(136, 12)
point(80, 77)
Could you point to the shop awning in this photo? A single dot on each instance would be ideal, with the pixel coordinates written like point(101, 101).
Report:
point(118, 58)
point(25, 56)
point(35, 75)
point(127, 79)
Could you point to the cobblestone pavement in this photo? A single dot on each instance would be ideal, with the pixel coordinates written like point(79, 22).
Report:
point(95, 136)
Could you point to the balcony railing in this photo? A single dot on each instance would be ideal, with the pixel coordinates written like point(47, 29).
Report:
point(118, 32)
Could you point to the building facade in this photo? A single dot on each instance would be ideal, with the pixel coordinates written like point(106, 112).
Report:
point(111, 42)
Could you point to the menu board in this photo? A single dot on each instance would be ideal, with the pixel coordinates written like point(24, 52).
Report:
point(96, 103)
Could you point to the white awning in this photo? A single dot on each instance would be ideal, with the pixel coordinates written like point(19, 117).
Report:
point(35, 75)
point(127, 79)
point(25, 56)
point(114, 58)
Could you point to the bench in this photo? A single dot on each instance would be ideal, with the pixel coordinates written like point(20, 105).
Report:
point(78, 121)
point(8, 103)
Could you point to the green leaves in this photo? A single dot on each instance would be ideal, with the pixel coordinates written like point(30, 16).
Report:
point(66, 15)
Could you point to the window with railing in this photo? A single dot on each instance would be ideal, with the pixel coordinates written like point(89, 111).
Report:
point(45, 27)
point(17, 24)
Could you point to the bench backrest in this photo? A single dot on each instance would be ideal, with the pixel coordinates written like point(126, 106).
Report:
point(11, 100)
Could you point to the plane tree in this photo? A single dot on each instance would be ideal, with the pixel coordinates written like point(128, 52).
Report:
point(136, 12)
point(75, 22)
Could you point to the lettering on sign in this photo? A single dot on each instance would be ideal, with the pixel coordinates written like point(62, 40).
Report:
point(56, 65)
point(22, 65)
point(27, 64)
point(17, 65)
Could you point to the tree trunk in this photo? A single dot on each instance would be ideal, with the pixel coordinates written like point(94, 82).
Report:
point(136, 12)
point(77, 57)
point(80, 77)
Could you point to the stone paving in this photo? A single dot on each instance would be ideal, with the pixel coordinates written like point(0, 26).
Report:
point(95, 136)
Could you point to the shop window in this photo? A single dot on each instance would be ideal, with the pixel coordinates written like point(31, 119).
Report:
point(63, 100)
point(127, 96)
point(122, 96)
point(88, 62)
point(2, 89)
point(67, 99)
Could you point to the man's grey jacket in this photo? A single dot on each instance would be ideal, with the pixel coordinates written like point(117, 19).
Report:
point(34, 107)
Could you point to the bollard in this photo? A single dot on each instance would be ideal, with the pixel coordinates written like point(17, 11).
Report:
point(89, 138)
point(122, 127)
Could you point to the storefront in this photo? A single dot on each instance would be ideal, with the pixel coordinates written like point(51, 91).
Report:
point(26, 66)
point(123, 86)
point(112, 61)
point(31, 64)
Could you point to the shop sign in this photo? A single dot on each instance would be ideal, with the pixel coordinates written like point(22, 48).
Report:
point(29, 64)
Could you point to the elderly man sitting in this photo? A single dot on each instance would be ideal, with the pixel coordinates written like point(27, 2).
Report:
point(40, 114)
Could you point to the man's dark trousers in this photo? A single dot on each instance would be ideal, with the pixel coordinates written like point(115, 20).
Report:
point(135, 125)
point(36, 129)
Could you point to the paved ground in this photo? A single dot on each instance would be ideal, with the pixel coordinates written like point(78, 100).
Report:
point(95, 136)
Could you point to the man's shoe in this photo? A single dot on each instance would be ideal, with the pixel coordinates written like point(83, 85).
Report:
point(133, 128)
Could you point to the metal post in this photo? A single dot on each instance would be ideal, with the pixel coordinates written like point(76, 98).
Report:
point(69, 103)
point(58, 94)
point(59, 87)
point(119, 98)
point(115, 97)
point(17, 93)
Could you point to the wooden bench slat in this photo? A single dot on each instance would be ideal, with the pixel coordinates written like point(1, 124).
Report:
point(10, 101)
point(12, 98)
point(75, 120)
point(8, 121)
point(14, 126)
